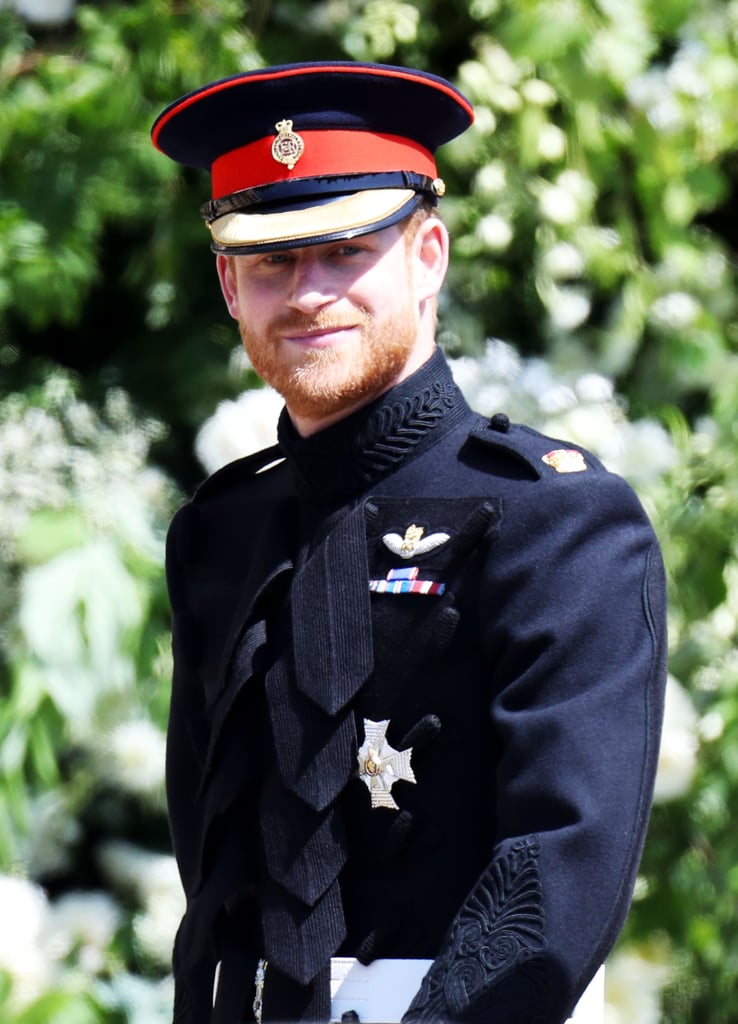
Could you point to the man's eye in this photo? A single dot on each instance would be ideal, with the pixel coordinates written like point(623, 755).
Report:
point(277, 258)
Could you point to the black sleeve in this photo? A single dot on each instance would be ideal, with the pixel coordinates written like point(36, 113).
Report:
point(194, 959)
point(574, 634)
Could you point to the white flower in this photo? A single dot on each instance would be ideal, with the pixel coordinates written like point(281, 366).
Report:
point(145, 873)
point(45, 12)
point(667, 115)
point(238, 428)
point(85, 922)
point(723, 622)
point(557, 399)
point(133, 756)
point(537, 379)
point(591, 426)
point(502, 65)
point(492, 78)
point(465, 371)
point(551, 143)
point(641, 451)
point(67, 457)
point(154, 881)
point(494, 232)
point(239, 362)
point(647, 88)
point(730, 575)
point(567, 307)
point(679, 744)
point(593, 387)
point(634, 981)
point(142, 1000)
point(651, 93)
point(684, 76)
point(481, 9)
point(485, 121)
point(75, 612)
point(706, 435)
point(584, 410)
point(538, 92)
point(568, 199)
point(491, 179)
point(25, 921)
point(485, 381)
point(380, 27)
point(485, 396)
point(712, 726)
point(500, 360)
point(53, 833)
point(563, 260)
point(155, 928)
point(558, 205)
point(675, 310)
point(475, 79)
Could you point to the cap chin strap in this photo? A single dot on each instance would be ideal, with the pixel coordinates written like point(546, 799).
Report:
point(297, 193)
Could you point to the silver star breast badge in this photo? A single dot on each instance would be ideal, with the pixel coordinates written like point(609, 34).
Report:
point(380, 765)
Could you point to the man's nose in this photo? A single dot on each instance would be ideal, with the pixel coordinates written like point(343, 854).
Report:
point(312, 285)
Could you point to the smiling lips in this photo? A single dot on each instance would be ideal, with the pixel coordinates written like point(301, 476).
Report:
point(319, 336)
point(317, 331)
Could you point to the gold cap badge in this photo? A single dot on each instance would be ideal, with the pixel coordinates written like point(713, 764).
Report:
point(288, 146)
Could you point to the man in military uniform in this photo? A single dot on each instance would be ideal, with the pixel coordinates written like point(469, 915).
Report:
point(419, 654)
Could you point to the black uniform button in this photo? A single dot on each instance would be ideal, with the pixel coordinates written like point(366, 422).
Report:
point(500, 422)
point(422, 733)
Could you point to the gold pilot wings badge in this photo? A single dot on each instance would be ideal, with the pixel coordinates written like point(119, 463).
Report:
point(414, 543)
point(380, 765)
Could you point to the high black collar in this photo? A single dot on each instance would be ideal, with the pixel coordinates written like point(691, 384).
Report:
point(346, 458)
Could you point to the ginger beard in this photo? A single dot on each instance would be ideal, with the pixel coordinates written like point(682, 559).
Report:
point(319, 382)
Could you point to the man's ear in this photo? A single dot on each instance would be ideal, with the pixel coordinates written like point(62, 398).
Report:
point(227, 279)
point(430, 249)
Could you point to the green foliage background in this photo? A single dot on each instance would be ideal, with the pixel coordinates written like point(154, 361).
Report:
point(593, 212)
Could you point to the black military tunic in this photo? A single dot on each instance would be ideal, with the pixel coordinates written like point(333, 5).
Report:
point(420, 577)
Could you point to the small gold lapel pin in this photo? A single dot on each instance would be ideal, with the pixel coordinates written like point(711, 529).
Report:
point(565, 460)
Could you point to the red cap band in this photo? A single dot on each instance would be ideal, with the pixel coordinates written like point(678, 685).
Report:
point(328, 152)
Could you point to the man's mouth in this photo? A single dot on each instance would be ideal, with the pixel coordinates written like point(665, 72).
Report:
point(318, 336)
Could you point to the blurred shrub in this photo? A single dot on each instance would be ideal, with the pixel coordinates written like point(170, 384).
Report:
point(84, 668)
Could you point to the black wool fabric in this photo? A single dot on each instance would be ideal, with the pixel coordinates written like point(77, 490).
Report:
point(522, 660)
